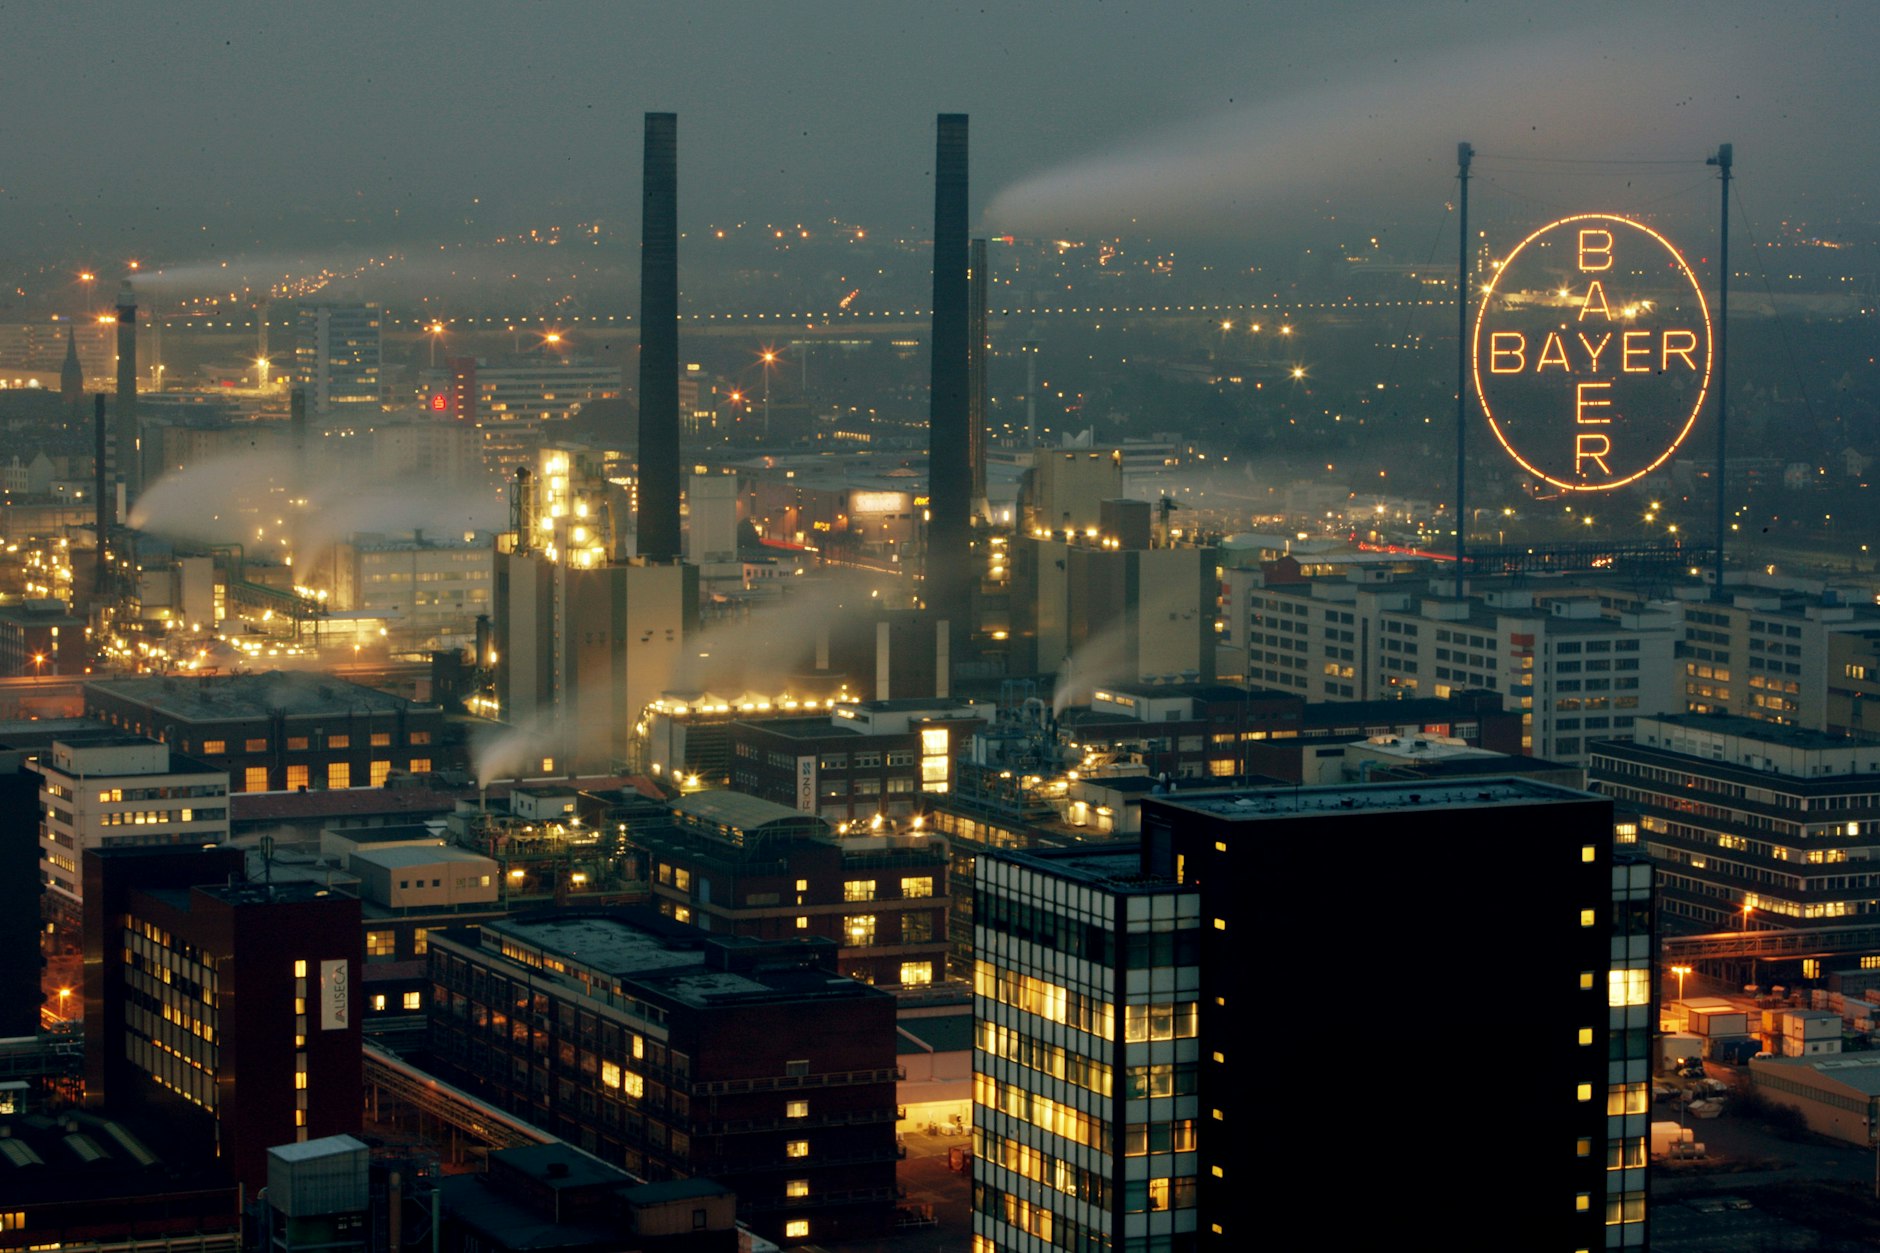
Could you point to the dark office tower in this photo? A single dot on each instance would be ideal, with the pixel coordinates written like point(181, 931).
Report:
point(976, 372)
point(129, 468)
point(71, 376)
point(949, 460)
point(22, 874)
point(659, 341)
point(227, 1006)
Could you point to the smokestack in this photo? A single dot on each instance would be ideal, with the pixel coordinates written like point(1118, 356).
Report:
point(976, 378)
point(297, 422)
point(130, 468)
point(949, 465)
point(102, 505)
point(658, 517)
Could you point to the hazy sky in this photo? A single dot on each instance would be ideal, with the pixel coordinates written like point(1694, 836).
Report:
point(1205, 115)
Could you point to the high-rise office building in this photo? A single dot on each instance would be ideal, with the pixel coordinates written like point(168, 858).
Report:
point(229, 1006)
point(337, 358)
point(1454, 893)
point(1134, 1033)
point(1087, 990)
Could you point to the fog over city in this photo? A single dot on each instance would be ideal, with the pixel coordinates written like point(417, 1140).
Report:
point(749, 625)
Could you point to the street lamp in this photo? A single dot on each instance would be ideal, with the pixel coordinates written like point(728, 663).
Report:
point(436, 330)
point(39, 660)
point(1680, 972)
point(769, 357)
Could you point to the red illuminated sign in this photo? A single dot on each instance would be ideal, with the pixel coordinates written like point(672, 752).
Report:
point(440, 402)
point(1592, 352)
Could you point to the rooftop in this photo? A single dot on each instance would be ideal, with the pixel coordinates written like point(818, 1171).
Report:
point(1335, 799)
point(642, 949)
point(818, 728)
point(235, 696)
point(1860, 1071)
point(740, 811)
point(419, 855)
point(1112, 867)
point(1753, 729)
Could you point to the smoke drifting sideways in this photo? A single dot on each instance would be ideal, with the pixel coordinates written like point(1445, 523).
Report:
point(1382, 129)
point(774, 644)
point(1102, 658)
point(274, 504)
point(401, 274)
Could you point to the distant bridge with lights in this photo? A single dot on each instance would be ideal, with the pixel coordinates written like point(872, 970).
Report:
point(1253, 317)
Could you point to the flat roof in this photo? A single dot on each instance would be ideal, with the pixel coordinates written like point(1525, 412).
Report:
point(603, 944)
point(1750, 729)
point(739, 810)
point(816, 728)
point(1293, 802)
point(207, 698)
point(1112, 867)
point(419, 855)
point(664, 957)
point(1860, 1071)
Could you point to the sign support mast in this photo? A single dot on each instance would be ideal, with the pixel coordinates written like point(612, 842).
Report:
point(1464, 153)
point(1723, 159)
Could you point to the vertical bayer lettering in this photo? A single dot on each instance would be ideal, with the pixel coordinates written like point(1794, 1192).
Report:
point(1592, 352)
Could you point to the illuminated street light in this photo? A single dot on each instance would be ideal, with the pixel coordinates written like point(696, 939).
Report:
point(1680, 972)
point(769, 357)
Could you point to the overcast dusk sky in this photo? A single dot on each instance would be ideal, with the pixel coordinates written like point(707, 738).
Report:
point(1200, 116)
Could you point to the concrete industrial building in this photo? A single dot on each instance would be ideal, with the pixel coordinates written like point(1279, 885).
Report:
point(864, 759)
point(586, 639)
point(1110, 613)
point(678, 1054)
point(431, 591)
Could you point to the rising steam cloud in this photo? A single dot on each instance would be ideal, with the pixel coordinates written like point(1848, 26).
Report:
point(1395, 127)
point(250, 499)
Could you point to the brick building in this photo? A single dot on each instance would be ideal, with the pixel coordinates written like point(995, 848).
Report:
point(282, 731)
point(230, 1007)
point(675, 1054)
point(740, 865)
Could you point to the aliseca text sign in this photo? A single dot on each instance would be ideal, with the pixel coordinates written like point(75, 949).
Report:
point(1592, 352)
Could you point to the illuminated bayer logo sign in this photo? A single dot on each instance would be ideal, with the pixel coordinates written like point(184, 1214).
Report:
point(1592, 352)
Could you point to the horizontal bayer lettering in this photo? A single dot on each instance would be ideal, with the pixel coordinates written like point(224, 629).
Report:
point(1581, 352)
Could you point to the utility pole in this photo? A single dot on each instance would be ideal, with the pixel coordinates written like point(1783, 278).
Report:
point(1464, 154)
